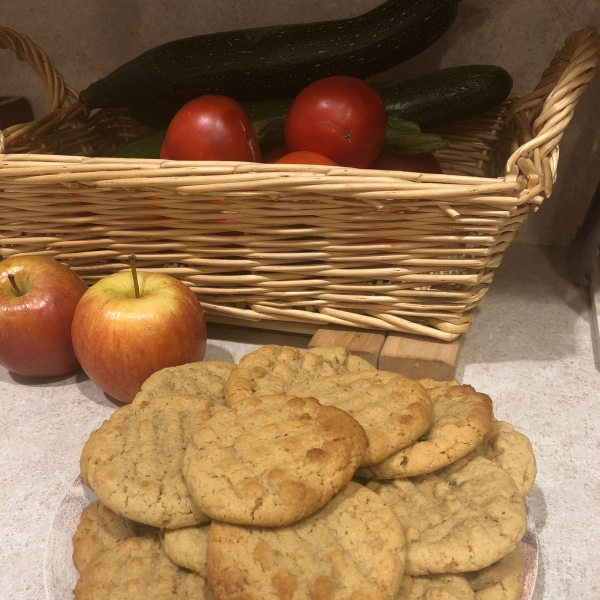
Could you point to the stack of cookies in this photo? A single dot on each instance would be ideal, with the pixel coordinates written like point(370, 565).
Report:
point(303, 474)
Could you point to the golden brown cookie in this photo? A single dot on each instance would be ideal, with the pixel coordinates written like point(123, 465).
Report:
point(138, 569)
point(133, 462)
point(429, 384)
point(100, 529)
point(511, 451)
point(501, 581)
point(273, 460)
point(435, 587)
point(458, 519)
point(205, 378)
point(352, 548)
point(272, 370)
point(187, 547)
point(461, 419)
point(393, 410)
point(84, 457)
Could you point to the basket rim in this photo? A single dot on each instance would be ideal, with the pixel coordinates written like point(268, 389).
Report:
point(236, 167)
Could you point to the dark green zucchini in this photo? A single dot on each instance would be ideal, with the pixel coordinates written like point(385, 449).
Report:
point(257, 110)
point(447, 95)
point(274, 62)
point(430, 101)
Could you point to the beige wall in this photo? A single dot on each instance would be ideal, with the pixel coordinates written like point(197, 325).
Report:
point(88, 39)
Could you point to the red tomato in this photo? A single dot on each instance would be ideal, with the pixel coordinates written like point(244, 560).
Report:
point(421, 163)
point(340, 117)
point(302, 157)
point(211, 127)
point(273, 155)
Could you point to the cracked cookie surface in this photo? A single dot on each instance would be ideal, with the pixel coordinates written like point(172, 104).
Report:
point(352, 548)
point(273, 460)
point(429, 384)
point(458, 519)
point(461, 419)
point(138, 569)
point(187, 547)
point(511, 451)
point(133, 461)
point(435, 587)
point(272, 370)
point(393, 410)
point(205, 378)
point(100, 529)
point(501, 581)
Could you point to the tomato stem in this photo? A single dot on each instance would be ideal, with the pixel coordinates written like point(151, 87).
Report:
point(136, 285)
point(11, 278)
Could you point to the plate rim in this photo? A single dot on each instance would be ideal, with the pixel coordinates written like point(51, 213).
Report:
point(77, 486)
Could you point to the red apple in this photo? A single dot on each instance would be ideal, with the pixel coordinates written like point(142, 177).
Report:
point(121, 339)
point(38, 297)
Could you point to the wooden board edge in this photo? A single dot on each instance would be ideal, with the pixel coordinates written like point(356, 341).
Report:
point(420, 357)
point(277, 326)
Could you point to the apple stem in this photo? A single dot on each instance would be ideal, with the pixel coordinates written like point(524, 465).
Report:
point(11, 278)
point(136, 285)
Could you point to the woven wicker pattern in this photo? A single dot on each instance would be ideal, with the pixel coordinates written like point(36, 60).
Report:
point(381, 250)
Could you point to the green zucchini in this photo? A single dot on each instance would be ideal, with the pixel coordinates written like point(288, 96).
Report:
point(273, 62)
point(257, 110)
point(430, 101)
point(447, 95)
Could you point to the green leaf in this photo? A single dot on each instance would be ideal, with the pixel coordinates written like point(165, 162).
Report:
point(147, 146)
point(405, 137)
point(269, 132)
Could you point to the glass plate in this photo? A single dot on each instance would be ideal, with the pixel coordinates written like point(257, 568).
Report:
point(60, 574)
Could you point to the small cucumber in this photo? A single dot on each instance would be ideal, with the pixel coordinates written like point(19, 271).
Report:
point(447, 95)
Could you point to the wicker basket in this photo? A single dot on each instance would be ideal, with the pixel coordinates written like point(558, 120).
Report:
point(290, 247)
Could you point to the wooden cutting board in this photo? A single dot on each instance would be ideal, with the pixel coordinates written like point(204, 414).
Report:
point(420, 357)
point(413, 356)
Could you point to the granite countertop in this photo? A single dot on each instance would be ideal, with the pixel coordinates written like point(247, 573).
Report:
point(530, 349)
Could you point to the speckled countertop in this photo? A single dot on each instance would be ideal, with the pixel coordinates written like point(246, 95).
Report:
point(530, 349)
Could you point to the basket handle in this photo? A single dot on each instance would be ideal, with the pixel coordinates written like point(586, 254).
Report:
point(542, 115)
point(25, 50)
point(65, 105)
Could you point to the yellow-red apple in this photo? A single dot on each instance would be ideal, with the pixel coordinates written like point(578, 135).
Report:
point(120, 339)
point(38, 297)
